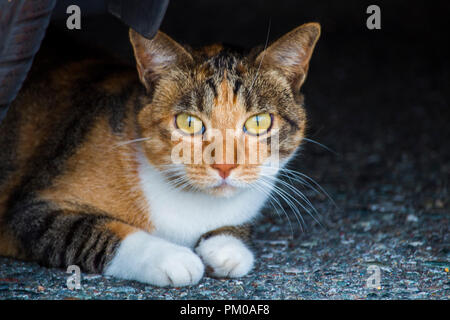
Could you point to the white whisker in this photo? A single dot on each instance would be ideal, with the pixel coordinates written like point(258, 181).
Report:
point(303, 197)
point(321, 145)
point(262, 57)
point(291, 205)
point(271, 198)
point(131, 141)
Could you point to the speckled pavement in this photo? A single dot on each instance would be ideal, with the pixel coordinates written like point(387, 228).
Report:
point(316, 265)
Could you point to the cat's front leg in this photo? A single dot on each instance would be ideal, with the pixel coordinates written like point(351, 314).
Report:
point(147, 258)
point(225, 252)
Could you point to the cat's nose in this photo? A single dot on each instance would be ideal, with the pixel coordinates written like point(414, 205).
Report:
point(224, 169)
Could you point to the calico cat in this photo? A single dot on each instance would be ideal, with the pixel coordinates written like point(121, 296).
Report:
point(87, 175)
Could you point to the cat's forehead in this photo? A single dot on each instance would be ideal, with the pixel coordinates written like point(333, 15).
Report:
point(216, 63)
point(224, 82)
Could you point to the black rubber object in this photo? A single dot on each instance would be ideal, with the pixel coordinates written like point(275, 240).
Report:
point(23, 24)
point(22, 27)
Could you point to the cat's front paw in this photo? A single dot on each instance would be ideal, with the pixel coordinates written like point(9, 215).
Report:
point(178, 266)
point(152, 260)
point(226, 256)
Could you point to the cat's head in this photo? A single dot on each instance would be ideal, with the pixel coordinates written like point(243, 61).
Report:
point(216, 119)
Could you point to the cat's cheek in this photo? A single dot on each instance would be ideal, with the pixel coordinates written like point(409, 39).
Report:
point(226, 256)
point(153, 260)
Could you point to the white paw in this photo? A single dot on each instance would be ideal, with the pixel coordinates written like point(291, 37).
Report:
point(153, 260)
point(226, 255)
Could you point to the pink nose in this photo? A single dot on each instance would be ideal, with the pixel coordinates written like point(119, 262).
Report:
point(224, 169)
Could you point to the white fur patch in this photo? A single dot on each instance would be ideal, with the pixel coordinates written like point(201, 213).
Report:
point(152, 260)
point(226, 255)
point(183, 217)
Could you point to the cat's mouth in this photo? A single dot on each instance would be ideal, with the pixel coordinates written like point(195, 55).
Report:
point(223, 184)
point(223, 189)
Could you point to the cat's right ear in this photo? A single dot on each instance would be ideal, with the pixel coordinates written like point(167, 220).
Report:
point(156, 56)
point(291, 53)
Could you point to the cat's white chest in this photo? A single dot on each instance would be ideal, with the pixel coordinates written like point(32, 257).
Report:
point(182, 217)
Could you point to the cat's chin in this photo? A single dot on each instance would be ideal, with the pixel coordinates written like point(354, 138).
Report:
point(223, 190)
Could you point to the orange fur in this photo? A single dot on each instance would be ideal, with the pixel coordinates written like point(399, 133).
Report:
point(102, 175)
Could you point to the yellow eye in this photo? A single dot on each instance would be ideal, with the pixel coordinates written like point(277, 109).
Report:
point(258, 124)
point(189, 124)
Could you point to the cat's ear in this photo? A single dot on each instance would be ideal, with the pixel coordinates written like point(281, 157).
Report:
point(291, 53)
point(156, 56)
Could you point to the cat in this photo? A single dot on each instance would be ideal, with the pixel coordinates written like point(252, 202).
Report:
point(87, 175)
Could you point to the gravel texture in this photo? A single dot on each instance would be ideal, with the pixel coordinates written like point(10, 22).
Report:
point(385, 116)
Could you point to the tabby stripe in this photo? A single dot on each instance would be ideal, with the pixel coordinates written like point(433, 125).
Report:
point(36, 236)
point(76, 237)
point(53, 240)
point(84, 250)
point(248, 100)
point(242, 232)
point(109, 254)
point(73, 231)
point(210, 83)
point(291, 122)
point(199, 100)
point(99, 257)
point(237, 86)
point(47, 245)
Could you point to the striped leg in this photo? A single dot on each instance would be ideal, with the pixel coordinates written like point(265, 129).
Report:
point(59, 238)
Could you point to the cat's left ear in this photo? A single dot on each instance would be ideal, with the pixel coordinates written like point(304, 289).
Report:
point(291, 53)
point(156, 56)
